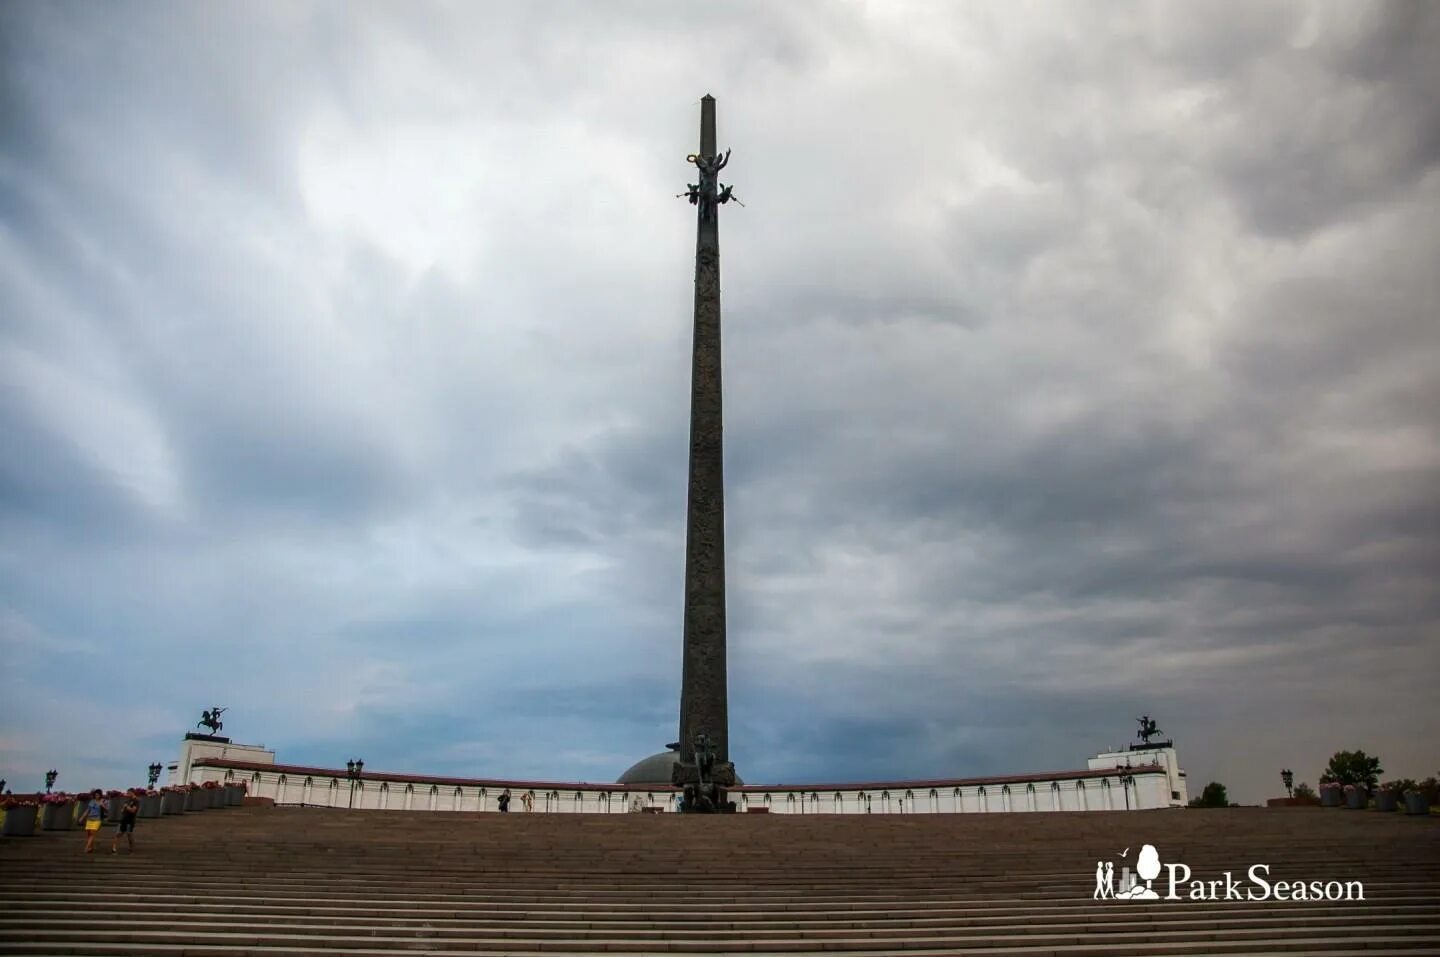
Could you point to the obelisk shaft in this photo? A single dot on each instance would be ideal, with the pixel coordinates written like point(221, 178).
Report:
point(703, 682)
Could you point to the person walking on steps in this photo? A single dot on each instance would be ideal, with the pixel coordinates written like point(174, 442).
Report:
point(128, 812)
point(93, 815)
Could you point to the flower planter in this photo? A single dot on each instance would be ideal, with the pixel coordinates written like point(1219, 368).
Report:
point(1357, 799)
point(19, 821)
point(1416, 803)
point(149, 805)
point(172, 802)
point(1331, 797)
point(1386, 800)
point(57, 817)
point(234, 795)
point(196, 800)
point(217, 797)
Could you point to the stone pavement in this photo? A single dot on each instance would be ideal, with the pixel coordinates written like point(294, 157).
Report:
point(300, 881)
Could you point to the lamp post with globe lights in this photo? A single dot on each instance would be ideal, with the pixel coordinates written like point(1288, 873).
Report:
point(1126, 779)
point(353, 770)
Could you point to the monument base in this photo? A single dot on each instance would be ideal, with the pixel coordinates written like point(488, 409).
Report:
point(705, 799)
point(218, 739)
point(704, 793)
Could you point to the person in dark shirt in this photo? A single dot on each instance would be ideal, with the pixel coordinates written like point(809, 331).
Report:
point(504, 801)
point(128, 812)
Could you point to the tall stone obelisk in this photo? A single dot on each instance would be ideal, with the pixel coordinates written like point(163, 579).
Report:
point(704, 767)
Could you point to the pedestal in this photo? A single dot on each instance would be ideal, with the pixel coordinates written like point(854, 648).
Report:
point(216, 738)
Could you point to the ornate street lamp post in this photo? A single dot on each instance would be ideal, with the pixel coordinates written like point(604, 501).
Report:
point(1127, 779)
point(353, 770)
point(154, 772)
point(50, 777)
point(1288, 777)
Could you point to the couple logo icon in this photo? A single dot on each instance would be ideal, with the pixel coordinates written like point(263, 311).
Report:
point(1147, 867)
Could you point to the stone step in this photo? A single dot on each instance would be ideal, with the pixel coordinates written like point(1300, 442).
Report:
point(238, 946)
point(599, 903)
point(322, 883)
point(1219, 914)
point(315, 894)
point(327, 936)
point(96, 920)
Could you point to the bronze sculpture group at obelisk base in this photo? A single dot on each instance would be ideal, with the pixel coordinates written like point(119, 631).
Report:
point(703, 769)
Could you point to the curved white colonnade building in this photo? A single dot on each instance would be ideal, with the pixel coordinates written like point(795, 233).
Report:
point(1140, 778)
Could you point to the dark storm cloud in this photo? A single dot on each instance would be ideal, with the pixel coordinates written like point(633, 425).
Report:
point(1079, 364)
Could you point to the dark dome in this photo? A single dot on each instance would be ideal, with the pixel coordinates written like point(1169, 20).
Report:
point(654, 770)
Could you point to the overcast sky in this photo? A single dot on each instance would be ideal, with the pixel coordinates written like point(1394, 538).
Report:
point(1081, 362)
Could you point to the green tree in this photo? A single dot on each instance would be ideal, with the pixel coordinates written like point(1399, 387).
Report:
point(1303, 790)
point(1213, 796)
point(1353, 767)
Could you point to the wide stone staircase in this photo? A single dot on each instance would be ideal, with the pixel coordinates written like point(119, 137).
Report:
point(304, 881)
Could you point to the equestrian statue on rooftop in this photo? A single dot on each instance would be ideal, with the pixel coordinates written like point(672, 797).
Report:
point(211, 719)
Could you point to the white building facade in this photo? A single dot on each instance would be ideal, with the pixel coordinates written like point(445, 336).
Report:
point(1149, 781)
point(1173, 789)
point(195, 749)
